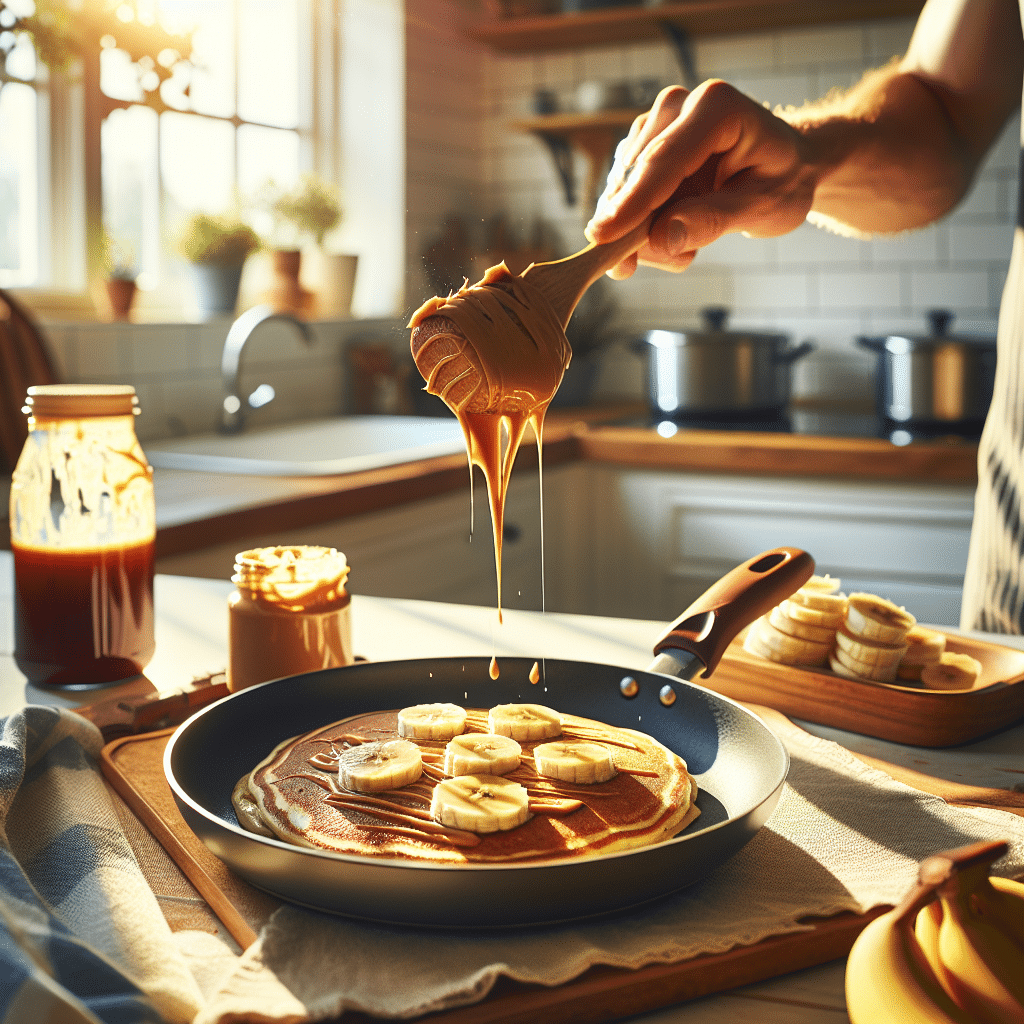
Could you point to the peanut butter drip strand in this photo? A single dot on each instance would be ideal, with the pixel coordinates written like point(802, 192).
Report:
point(512, 351)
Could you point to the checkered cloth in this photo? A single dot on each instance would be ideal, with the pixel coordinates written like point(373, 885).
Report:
point(81, 935)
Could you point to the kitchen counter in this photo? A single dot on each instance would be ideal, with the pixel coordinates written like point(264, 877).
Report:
point(197, 510)
point(191, 640)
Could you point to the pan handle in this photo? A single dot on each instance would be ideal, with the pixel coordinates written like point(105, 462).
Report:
point(710, 624)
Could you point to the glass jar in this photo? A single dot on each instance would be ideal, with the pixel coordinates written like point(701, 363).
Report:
point(83, 527)
point(290, 613)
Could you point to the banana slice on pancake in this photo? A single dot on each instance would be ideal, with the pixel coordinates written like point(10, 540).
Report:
point(478, 753)
point(525, 722)
point(580, 761)
point(431, 721)
point(378, 767)
point(480, 803)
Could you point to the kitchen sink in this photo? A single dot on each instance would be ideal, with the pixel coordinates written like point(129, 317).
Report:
point(348, 444)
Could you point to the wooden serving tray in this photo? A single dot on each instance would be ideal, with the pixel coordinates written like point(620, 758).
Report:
point(134, 767)
point(889, 711)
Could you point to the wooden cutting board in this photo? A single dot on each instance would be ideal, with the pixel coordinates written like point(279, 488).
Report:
point(134, 767)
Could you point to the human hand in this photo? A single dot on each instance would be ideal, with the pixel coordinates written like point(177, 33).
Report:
point(705, 163)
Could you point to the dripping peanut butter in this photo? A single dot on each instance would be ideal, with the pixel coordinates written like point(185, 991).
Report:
point(495, 352)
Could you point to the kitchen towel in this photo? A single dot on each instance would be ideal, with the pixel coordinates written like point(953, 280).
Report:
point(81, 935)
point(845, 836)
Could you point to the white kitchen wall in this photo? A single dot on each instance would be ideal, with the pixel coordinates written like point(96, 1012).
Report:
point(809, 283)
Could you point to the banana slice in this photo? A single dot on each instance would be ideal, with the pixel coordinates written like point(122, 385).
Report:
point(432, 721)
point(768, 642)
point(525, 722)
point(837, 666)
point(480, 803)
point(574, 761)
point(870, 652)
point(377, 767)
point(924, 647)
point(951, 672)
point(873, 672)
point(479, 753)
point(815, 616)
point(780, 618)
point(821, 593)
point(877, 619)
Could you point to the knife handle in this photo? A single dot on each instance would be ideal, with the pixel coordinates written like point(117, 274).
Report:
point(712, 622)
point(130, 714)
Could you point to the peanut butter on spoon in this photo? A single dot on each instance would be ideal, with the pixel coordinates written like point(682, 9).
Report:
point(495, 352)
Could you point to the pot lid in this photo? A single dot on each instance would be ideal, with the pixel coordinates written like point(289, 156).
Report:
point(939, 321)
point(714, 330)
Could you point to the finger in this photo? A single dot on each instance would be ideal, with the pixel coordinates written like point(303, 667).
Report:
point(624, 269)
point(643, 131)
point(704, 127)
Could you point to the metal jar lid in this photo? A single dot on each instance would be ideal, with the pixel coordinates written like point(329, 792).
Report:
point(940, 321)
point(77, 401)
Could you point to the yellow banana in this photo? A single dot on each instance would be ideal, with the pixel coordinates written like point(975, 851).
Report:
point(888, 979)
point(973, 940)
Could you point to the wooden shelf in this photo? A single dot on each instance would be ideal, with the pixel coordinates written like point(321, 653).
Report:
point(695, 17)
point(593, 135)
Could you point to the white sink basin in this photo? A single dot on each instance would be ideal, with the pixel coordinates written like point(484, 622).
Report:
point(348, 444)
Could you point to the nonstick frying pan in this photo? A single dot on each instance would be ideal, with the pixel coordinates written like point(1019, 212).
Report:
point(740, 767)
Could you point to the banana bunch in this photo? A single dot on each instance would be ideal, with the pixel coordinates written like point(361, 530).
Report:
point(800, 631)
point(951, 953)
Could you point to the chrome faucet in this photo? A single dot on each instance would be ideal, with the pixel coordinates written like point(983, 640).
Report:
point(232, 415)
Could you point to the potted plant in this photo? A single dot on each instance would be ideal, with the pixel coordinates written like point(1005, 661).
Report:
point(308, 212)
point(217, 248)
point(116, 261)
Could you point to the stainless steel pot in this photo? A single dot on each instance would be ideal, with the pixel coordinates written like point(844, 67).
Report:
point(933, 379)
point(716, 372)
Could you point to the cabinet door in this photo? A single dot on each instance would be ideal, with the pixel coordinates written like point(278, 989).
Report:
point(677, 533)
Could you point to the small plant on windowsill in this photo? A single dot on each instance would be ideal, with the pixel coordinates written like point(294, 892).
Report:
point(116, 261)
point(307, 212)
point(217, 247)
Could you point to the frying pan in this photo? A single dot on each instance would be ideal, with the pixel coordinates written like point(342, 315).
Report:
point(740, 767)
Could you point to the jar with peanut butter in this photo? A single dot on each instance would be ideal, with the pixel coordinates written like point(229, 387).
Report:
point(290, 613)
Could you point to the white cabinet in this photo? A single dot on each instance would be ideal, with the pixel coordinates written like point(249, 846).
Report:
point(659, 538)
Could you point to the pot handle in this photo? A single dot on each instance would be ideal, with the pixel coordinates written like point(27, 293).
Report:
point(875, 344)
point(798, 352)
point(752, 589)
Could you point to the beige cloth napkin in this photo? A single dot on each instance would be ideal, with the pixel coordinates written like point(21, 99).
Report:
point(844, 837)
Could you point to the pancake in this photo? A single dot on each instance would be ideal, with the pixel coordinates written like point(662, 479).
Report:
point(295, 795)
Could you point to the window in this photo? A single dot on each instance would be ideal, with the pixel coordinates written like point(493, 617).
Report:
point(166, 137)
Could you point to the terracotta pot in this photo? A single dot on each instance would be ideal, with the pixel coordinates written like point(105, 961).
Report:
point(121, 294)
point(286, 294)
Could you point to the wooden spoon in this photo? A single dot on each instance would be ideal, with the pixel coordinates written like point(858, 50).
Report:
point(564, 281)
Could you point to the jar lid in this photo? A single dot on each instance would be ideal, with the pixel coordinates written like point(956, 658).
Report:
point(74, 401)
point(297, 577)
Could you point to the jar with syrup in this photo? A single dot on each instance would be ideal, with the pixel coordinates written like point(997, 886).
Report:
point(290, 613)
point(83, 526)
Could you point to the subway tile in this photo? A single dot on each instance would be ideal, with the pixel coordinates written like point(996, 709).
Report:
point(949, 289)
point(61, 342)
point(602, 64)
point(810, 244)
point(1005, 152)
point(720, 57)
point(857, 289)
point(980, 242)
point(778, 90)
point(162, 349)
point(798, 48)
point(769, 291)
point(888, 38)
point(996, 284)
point(985, 201)
point(736, 250)
point(103, 354)
point(918, 246)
